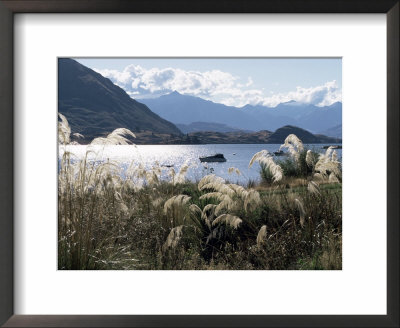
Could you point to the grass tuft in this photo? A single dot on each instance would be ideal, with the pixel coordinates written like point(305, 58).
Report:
point(137, 220)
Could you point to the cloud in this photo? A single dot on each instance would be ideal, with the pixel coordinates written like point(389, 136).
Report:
point(323, 95)
point(215, 85)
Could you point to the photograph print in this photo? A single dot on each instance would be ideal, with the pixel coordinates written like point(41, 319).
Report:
point(199, 163)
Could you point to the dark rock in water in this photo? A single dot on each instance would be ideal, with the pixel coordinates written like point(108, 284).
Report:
point(280, 153)
point(214, 158)
point(333, 147)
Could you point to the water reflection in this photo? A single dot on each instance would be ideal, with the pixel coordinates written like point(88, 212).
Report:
point(174, 156)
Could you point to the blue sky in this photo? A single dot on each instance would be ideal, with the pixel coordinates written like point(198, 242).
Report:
point(233, 81)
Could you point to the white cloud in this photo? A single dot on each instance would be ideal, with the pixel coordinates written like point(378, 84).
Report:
point(323, 95)
point(213, 85)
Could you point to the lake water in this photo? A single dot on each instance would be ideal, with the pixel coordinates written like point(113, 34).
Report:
point(237, 155)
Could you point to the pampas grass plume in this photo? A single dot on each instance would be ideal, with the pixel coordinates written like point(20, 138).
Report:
point(262, 234)
point(228, 219)
point(301, 211)
point(173, 238)
point(175, 201)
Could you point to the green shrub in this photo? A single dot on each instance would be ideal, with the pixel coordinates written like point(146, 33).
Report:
point(266, 174)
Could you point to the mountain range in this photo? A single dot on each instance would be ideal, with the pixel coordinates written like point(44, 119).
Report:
point(335, 131)
point(183, 109)
point(94, 106)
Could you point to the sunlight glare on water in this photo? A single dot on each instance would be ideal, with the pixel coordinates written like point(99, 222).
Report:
point(237, 155)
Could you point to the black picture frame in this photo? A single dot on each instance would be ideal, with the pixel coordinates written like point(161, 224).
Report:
point(10, 7)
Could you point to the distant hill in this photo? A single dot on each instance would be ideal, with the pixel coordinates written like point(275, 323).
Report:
point(237, 137)
point(335, 131)
point(279, 136)
point(184, 109)
point(94, 106)
point(207, 126)
point(306, 116)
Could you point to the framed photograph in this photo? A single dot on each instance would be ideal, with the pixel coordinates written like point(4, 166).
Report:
point(217, 187)
point(213, 164)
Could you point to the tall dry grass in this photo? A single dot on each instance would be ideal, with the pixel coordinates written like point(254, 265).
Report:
point(137, 220)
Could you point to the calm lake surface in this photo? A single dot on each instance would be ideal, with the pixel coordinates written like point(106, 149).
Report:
point(237, 155)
